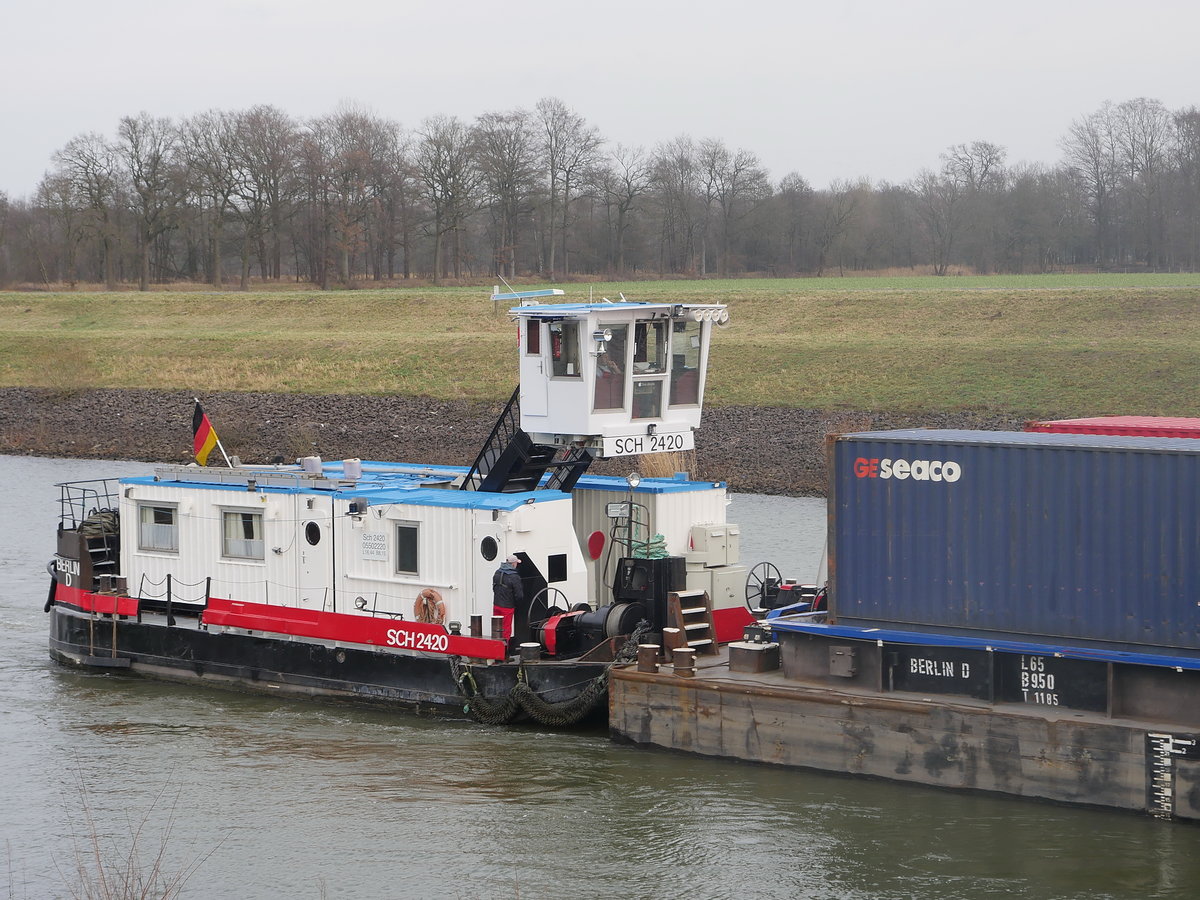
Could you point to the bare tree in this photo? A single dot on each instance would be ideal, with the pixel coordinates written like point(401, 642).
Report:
point(1092, 153)
point(88, 167)
point(1144, 133)
point(622, 183)
point(397, 202)
point(735, 182)
point(507, 155)
point(676, 184)
point(208, 143)
point(148, 150)
point(266, 151)
point(570, 147)
point(795, 202)
point(1187, 166)
point(841, 204)
point(978, 171)
point(446, 168)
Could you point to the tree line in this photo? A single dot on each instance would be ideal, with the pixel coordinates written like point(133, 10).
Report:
point(258, 195)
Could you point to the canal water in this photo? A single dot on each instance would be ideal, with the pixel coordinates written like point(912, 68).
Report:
point(254, 797)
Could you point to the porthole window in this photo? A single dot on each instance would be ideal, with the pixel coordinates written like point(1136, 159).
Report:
point(488, 548)
point(312, 533)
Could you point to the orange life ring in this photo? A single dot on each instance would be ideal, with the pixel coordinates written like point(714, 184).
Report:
point(430, 608)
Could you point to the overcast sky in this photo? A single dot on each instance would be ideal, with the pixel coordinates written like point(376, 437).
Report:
point(874, 88)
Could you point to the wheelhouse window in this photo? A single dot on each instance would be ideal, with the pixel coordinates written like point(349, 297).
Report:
point(158, 528)
point(685, 363)
point(610, 371)
point(242, 534)
point(407, 534)
point(649, 367)
point(533, 337)
point(564, 349)
point(649, 348)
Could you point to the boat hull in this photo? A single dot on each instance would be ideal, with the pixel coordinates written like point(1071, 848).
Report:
point(281, 665)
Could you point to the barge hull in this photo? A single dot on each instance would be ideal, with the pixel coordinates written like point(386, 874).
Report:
point(275, 665)
point(1081, 759)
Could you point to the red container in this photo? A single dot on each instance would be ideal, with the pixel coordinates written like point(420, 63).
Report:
point(1133, 426)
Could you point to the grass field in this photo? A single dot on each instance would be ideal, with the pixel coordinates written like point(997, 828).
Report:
point(1038, 345)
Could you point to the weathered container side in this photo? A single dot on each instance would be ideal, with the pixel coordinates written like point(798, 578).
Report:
point(1130, 426)
point(1079, 537)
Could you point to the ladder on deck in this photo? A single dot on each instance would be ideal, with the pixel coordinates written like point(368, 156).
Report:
point(691, 613)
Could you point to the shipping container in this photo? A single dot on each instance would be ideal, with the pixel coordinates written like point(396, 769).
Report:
point(1084, 538)
point(1131, 426)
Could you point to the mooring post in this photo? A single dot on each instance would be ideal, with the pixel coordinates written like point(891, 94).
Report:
point(685, 662)
point(647, 658)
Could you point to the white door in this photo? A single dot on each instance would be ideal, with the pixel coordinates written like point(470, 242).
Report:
point(315, 553)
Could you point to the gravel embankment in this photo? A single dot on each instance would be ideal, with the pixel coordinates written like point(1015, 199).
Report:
point(766, 450)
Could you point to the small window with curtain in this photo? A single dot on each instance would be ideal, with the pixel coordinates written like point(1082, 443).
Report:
point(158, 528)
point(242, 534)
point(406, 548)
point(533, 337)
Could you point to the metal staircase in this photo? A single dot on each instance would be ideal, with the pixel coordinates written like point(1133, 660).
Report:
point(691, 613)
point(510, 461)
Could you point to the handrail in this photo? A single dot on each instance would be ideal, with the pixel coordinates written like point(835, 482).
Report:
point(507, 422)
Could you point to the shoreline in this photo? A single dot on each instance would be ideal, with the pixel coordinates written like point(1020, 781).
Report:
point(764, 450)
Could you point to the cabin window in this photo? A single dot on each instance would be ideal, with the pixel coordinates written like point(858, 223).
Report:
point(685, 363)
point(242, 534)
point(406, 548)
point(610, 371)
point(533, 337)
point(649, 348)
point(647, 399)
point(157, 528)
point(564, 349)
point(649, 367)
point(556, 569)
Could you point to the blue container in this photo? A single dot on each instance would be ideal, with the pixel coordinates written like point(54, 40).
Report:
point(1077, 537)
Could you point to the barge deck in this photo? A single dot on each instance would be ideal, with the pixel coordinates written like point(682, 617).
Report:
point(1052, 753)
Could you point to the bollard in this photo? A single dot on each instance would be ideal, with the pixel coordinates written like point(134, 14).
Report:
point(672, 638)
point(476, 626)
point(497, 628)
point(685, 662)
point(531, 651)
point(647, 658)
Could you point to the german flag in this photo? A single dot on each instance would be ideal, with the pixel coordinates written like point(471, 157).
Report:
point(204, 438)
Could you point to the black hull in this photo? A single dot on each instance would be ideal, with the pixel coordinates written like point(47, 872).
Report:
point(422, 684)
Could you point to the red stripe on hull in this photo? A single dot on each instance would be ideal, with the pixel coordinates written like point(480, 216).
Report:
point(108, 604)
point(349, 629)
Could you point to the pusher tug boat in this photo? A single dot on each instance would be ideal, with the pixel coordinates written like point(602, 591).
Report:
point(373, 581)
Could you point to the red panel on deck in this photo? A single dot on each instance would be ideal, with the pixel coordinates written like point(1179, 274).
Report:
point(1131, 426)
point(731, 622)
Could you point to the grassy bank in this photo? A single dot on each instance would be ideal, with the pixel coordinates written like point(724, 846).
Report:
point(1039, 345)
